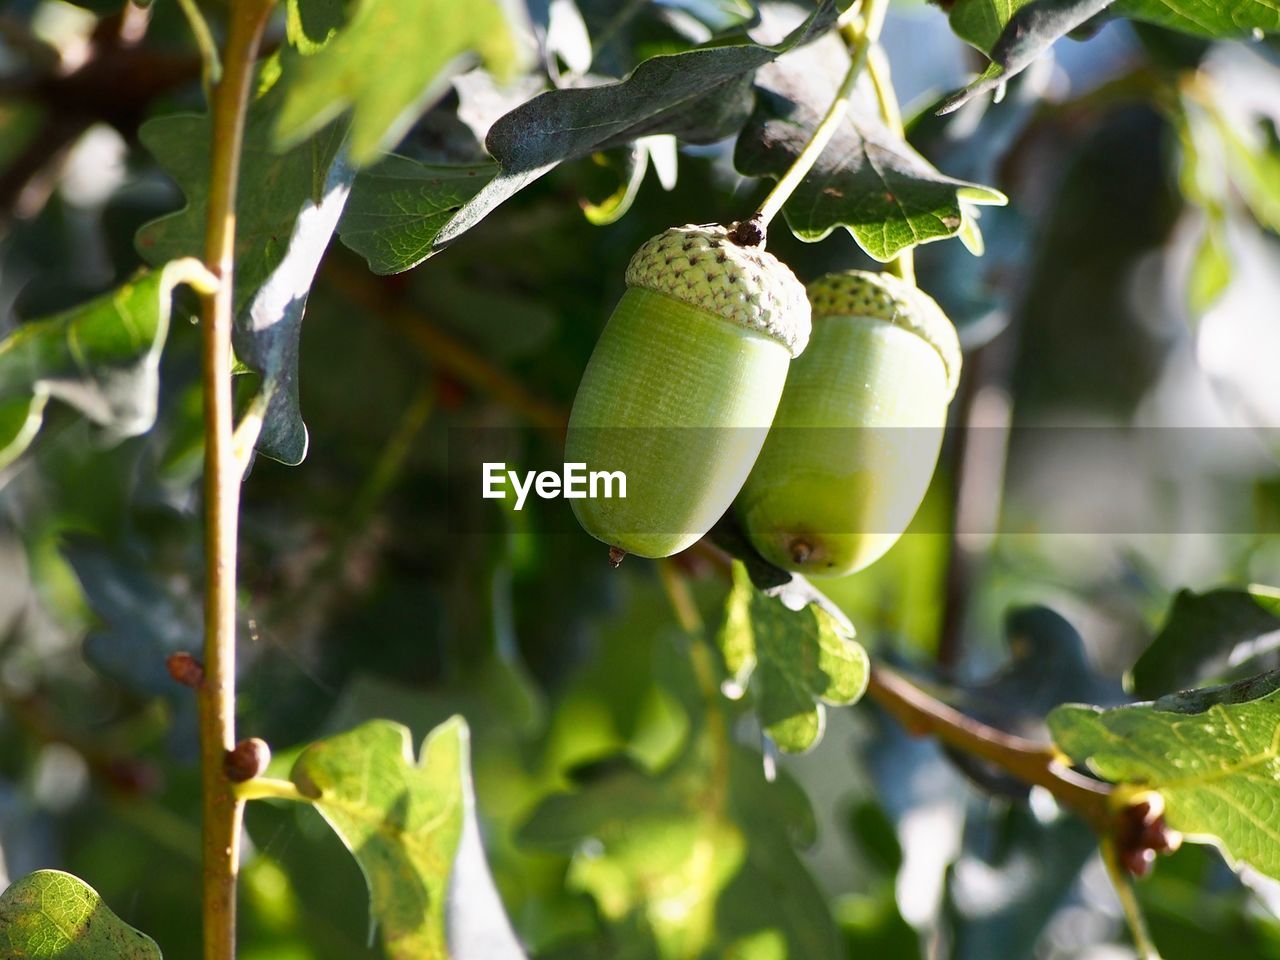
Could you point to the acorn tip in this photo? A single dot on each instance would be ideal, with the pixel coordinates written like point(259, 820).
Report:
point(749, 232)
point(801, 550)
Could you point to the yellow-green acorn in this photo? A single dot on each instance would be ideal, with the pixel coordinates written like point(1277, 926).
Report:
point(683, 385)
point(856, 438)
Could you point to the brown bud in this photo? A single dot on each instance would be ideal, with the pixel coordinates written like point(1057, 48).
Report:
point(1141, 833)
point(1138, 861)
point(616, 556)
point(185, 669)
point(248, 760)
point(132, 777)
point(1158, 836)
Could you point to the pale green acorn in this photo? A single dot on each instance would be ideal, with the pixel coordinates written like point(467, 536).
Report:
point(856, 437)
point(683, 385)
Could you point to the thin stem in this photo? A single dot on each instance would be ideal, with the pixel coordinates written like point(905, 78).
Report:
point(1028, 761)
point(704, 670)
point(904, 265)
point(269, 788)
point(859, 38)
point(390, 463)
point(211, 70)
point(221, 809)
point(882, 84)
point(1142, 941)
point(681, 598)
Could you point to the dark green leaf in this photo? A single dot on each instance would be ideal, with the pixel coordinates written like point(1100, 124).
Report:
point(312, 23)
point(1026, 31)
point(412, 828)
point(51, 915)
point(794, 661)
point(1048, 665)
point(1187, 925)
point(20, 421)
point(1204, 635)
point(868, 180)
point(142, 618)
point(870, 921)
point(1014, 873)
point(1214, 755)
point(388, 64)
point(398, 207)
point(699, 96)
point(101, 357)
point(287, 209)
point(1016, 33)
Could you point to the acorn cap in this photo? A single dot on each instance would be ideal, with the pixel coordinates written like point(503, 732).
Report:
point(701, 266)
point(882, 296)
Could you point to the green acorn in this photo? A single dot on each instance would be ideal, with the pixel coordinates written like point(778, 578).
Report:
point(856, 438)
point(683, 385)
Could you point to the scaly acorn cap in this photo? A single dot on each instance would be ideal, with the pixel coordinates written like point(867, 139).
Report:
point(699, 265)
point(882, 296)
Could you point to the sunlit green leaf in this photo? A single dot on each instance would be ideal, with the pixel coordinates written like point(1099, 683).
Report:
point(1210, 273)
point(51, 915)
point(20, 421)
point(313, 23)
point(387, 64)
point(615, 206)
point(411, 827)
point(101, 357)
point(699, 858)
point(1214, 755)
point(793, 660)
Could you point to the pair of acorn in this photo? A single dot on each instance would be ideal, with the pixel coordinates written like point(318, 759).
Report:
point(701, 390)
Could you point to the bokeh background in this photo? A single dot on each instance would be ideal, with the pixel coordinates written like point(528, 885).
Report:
point(1130, 288)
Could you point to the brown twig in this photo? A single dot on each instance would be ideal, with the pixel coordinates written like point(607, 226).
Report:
point(977, 457)
point(441, 349)
point(1033, 763)
point(221, 809)
point(113, 84)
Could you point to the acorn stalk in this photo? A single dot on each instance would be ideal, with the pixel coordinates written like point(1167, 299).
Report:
point(856, 438)
point(683, 385)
